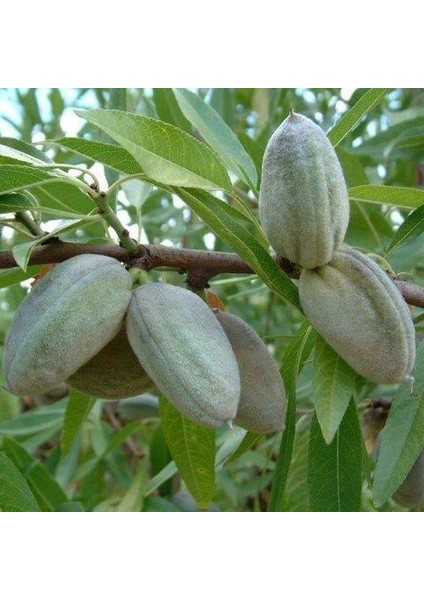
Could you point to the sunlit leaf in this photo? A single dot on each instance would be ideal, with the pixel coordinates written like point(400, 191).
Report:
point(164, 152)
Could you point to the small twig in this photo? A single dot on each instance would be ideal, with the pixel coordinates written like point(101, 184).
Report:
point(29, 223)
point(129, 443)
point(184, 260)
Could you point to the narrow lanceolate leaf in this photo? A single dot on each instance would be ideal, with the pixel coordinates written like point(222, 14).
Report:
point(216, 215)
point(22, 151)
point(403, 436)
point(247, 442)
point(335, 470)
point(352, 117)
point(15, 493)
point(15, 202)
point(164, 152)
point(111, 155)
point(15, 275)
point(383, 194)
point(292, 362)
point(22, 252)
point(193, 450)
point(77, 410)
point(46, 490)
point(218, 135)
point(333, 384)
point(52, 192)
point(168, 110)
point(296, 497)
point(411, 228)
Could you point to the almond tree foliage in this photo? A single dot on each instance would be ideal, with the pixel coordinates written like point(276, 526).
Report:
point(64, 451)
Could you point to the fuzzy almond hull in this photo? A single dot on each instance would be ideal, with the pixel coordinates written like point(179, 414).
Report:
point(185, 351)
point(113, 373)
point(303, 202)
point(70, 314)
point(262, 403)
point(360, 312)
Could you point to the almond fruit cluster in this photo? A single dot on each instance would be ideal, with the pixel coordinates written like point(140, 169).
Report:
point(84, 324)
point(348, 298)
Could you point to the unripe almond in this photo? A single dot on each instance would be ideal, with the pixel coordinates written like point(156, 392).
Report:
point(72, 312)
point(411, 491)
point(262, 399)
point(185, 351)
point(360, 312)
point(113, 373)
point(303, 202)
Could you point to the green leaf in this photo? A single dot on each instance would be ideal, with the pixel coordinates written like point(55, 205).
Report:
point(168, 110)
point(77, 410)
point(383, 194)
point(216, 215)
point(165, 153)
point(35, 420)
point(335, 470)
point(403, 436)
point(292, 362)
point(54, 193)
point(15, 493)
point(411, 228)
point(22, 151)
point(15, 275)
point(376, 146)
point(333, 384)
point(352, 117)
point(132, 501)
point(110, 155)
point(218, 135)
point(193, 450)
point(353, 170)
point(14, 202)
point(46, 490)
point(296, 496)
point(22, 253)
point(248, 441)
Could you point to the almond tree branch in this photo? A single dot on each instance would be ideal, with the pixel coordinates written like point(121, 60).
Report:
point(200, 265)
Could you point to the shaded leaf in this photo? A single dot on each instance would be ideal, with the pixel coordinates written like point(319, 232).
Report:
point(352, 117)
point(35, 420)
point(216, 215)
point(403, 436)
point(165, 153)
point(15, 202)
point(218, 135)
point(168, 110)
point(292, 362)
point(333, 384)
point(15, 493)
point(248, 441)
point(335, 470)
point(77, 410)
point(193, 450)
point(296, 496)
point(46, 490)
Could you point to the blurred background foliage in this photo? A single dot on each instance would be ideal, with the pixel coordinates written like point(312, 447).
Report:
point(121, 447)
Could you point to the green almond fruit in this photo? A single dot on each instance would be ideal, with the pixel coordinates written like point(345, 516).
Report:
point(185, 351)
point(113, 373)
point(262, 403)
point(411, 492)
point(69, 315)
point(360, 312)
point(303, 201)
